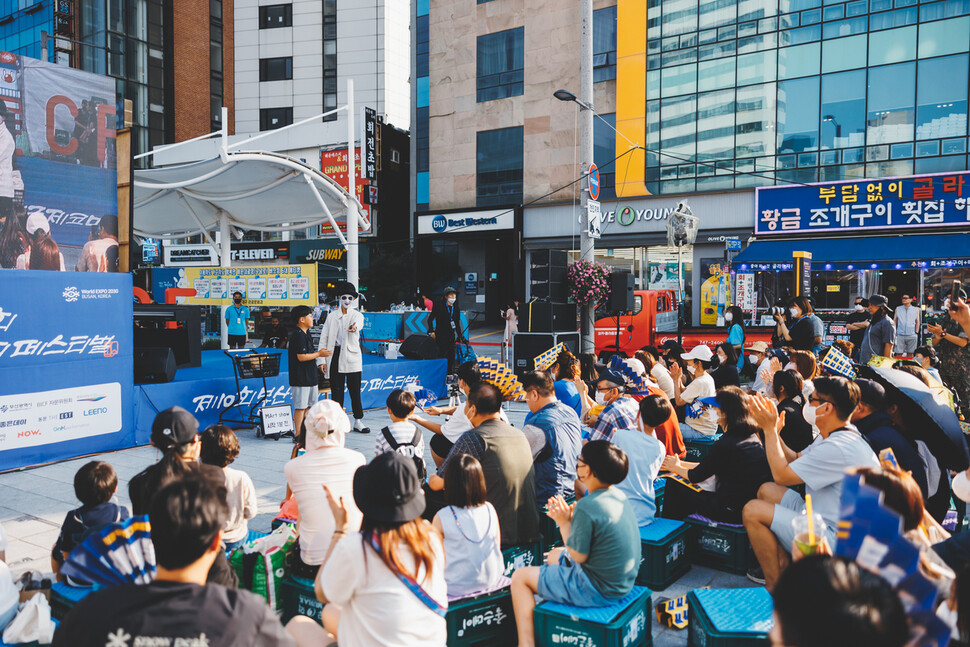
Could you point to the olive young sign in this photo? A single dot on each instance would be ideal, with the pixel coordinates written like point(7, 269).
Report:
point(264, 285)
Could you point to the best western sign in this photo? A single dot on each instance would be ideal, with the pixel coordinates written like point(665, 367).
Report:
point(467, 221)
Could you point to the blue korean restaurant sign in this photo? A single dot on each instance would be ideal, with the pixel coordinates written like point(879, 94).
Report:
point(914, 203)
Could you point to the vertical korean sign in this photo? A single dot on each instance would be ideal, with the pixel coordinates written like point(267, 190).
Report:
point(333, 164)
point(66, 366)
point(372, 145)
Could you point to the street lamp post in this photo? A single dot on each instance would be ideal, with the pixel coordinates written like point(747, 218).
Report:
point(585, 102)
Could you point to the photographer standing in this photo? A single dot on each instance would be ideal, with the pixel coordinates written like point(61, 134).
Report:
point(950, 341)
point(800, 335)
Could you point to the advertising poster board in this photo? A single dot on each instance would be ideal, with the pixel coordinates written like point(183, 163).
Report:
point(261, 285)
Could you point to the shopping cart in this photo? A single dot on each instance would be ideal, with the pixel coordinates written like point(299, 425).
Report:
point(250, 365)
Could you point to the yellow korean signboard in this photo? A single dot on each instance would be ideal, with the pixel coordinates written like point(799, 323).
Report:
point(261, 285)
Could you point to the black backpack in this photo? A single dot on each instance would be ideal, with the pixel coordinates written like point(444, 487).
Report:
point(408, 449)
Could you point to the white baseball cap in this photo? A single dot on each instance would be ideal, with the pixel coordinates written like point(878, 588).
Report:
point(37, 221)
point(701, 352)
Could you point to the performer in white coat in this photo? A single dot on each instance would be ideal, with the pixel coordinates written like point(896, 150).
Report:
point(341, 336)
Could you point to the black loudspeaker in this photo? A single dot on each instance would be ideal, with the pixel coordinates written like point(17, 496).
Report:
point(154, 365)
point(527, 346)
point(419, 347)
point(544, 316)
point(547, 273)
point(621, 292)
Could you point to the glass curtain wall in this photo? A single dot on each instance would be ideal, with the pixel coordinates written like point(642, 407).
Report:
point(761, 92)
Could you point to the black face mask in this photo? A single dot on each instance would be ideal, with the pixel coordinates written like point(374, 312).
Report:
point(237, 300)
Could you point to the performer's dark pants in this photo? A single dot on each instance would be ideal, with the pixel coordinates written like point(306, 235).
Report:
point(446, 349)
point(337, 385)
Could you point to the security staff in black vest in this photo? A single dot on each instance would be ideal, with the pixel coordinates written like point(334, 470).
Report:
point(445, 327)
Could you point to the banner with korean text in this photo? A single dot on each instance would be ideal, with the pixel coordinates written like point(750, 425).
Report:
point(261, 285)
point(913, 203)
point(66, 366)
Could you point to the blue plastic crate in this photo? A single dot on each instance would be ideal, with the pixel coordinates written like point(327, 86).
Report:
point(663, 553)
point(65, 597)
point(626, 623)
point(299, 599)
point(482, 620)
point(718, 545)
point(30, 644)
point(729, 617)
point(516, 557)
point(698, 448)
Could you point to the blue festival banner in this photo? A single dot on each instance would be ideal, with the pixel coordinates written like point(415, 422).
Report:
point(913, 203)
point(207, 390)
point(66, 365)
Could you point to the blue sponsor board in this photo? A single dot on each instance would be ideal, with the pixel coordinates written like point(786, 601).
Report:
point(66, 365)
point(914, 203)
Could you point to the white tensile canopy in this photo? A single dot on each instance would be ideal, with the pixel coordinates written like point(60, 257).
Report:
point(258, 191)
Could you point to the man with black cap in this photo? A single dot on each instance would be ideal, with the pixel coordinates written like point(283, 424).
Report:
point(341, 338)
point(880, 335)
point(876, 426)
point(175, 432)
point(444, 326)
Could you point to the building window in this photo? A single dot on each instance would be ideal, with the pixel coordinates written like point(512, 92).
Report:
point(276, 69)
point(604, 150)
point(273, 118)
point(275, 15)
point(499, 167)
point(215, 65)
point(500, 64)
point(330, 58)
point(604, 44)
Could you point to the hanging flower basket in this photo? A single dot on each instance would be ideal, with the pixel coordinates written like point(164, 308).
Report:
point(589, 282)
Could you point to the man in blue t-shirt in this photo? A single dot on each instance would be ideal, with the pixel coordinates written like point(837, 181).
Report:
point(555, 435)
point(236, 316)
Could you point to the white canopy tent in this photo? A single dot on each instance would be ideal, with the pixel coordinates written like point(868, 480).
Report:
point(247, 189)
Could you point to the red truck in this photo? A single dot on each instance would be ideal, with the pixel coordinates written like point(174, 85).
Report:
point(652, 322)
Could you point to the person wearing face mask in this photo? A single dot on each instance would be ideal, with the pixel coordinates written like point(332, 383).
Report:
point(726, 373)
point(236, 316)
point(737, 459)
point(800, 332)
point(953, 348)
point(880, 336)
point(787, 387)
point(821, 467)
point(906, 319)
point(857, 322)
point(700, 422)
point(341, 338)
point(619, 410)
point(446, 434)
point(445, 327)
point(506, 459)
point(926, 356)
point(759, 358)
point(734, 320)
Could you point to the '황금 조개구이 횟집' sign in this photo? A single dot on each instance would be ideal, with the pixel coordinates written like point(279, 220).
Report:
point(912, 203)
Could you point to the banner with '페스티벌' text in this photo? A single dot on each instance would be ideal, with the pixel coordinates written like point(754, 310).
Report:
point(66, 366)
point(260, 285)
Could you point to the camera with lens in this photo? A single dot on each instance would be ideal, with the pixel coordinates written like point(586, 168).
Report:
point(776, 311)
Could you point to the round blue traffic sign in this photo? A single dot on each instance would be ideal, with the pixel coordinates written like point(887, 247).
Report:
point(594, 182)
